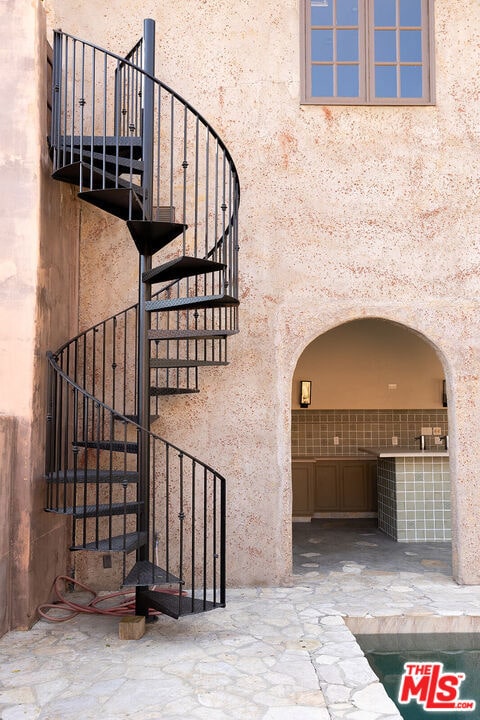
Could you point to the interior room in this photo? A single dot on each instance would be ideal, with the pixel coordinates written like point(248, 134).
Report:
point(370, 448)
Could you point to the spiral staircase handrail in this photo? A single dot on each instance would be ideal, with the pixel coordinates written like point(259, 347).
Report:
point(137, 150)
point(168, 89)
point(231, 224)
point(122, 418)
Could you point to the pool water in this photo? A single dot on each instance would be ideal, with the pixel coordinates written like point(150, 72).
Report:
point(459, 653)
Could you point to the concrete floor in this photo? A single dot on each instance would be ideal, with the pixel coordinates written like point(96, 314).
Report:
point(272, 654)
point(336, 542)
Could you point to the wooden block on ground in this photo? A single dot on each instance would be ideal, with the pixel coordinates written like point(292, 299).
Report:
point(131, 627)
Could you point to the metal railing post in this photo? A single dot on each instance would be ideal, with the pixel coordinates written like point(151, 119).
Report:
point(144, 290)
point(56, 97)
point(148, 98)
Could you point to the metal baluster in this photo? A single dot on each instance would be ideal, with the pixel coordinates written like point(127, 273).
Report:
point(92, 137)
point(153, 505)
point(110, 487)
point(73, 98)
point(196, 190)
point(214, 539)
point(205, 537)
point(207, 187)
point(158, 117)
point(223, 521)
point(215, 213)
point(167, 507)
point(181, 517)
point(172, 147)
point(114, 361)
point(96, 436)
point(104, 121)
point(193, 511)
point(85, 441)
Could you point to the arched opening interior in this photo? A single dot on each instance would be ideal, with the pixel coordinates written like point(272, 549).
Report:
point(357, 463)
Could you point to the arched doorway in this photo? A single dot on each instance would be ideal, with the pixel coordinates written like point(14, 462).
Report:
point(375, 385)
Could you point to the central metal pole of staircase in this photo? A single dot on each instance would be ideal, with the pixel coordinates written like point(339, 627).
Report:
point(144, 293)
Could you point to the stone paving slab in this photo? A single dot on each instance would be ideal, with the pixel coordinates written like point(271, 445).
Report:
point(272, 654)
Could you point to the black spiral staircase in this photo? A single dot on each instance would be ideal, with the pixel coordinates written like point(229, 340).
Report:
point(137, 150)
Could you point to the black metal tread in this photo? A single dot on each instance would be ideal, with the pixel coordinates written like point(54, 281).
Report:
point(121, 202)
point(128, 145)
point(183, 363)
point(103, 510)
point(93, 475)
point(158, 391)
point(176, 605)
point(181, 267)
point(111, 161)
point(119, 543)
point(189, 303)
point(189, 334)
point(135, 418)
point(146, 573)
point(150, 236)
point(91, 177)
point(114, 445)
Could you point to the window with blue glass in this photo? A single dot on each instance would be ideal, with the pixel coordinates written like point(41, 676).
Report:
point(368, 51)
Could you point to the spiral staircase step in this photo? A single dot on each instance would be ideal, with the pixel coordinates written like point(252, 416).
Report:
point(119, 543)
point(189, 334)
point(150, 236)
point(115, 164)
point(93, 476)
point(183, 363)
point(146, 573)
point(102, 510)
point(90, 177)
point(113, 445)
point(130, 176)
point(124, 145)
point(190, 303)
point(174, 605)
point(123, 202)
point(159, 391)
point(181, 267)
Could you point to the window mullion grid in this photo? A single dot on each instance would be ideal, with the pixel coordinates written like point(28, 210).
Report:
point(367, 60)
point(366, 49)
point(334, 50)
point(397, 48)
point(308, 26)
point(426, 88)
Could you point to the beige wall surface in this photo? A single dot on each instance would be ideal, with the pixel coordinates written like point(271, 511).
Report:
point(346, 213)
point(370, 364)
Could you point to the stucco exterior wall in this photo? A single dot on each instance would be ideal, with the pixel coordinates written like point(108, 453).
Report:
point(37, 311)
point(346, 212)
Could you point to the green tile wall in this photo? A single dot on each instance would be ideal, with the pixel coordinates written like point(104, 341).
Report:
point(313, 430)
point(414, 499)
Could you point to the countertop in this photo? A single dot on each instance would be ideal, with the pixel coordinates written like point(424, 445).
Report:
point(396, 451)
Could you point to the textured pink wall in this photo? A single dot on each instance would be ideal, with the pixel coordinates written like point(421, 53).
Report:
point(38, 309)
point(346, 212)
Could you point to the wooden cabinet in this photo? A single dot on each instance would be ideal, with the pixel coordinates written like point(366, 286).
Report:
point(303, 478)
point(355, 486)
point(327, 486)
point(331, 485)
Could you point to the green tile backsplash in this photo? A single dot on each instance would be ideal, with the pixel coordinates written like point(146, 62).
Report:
point(313, 431)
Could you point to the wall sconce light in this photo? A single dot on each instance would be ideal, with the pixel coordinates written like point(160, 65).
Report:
point(444, 394)
point(305, 393)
